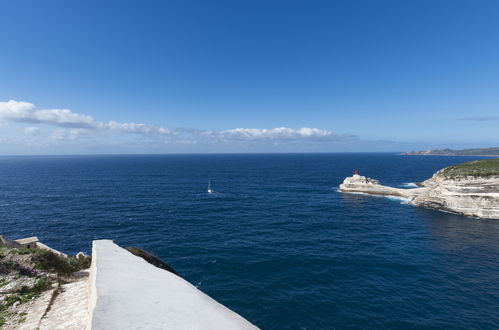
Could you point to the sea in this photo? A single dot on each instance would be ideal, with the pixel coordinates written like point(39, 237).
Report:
point(276, 242)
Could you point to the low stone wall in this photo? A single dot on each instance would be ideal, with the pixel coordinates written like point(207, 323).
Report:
point(34, 242)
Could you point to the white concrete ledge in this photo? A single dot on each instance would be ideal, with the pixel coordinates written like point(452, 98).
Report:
point(126, 292)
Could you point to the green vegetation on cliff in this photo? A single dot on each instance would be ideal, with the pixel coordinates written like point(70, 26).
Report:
point(51, 262)
point(452, 152)
point(484, 167)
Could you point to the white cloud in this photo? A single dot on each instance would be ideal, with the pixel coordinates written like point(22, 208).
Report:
point(28, 113)
point(72, 126)
point(137, 128)
point(69, 134)
point(278, 133)
point(25, 112)
point(16, 110)
point(65, 117)
point(32, 130)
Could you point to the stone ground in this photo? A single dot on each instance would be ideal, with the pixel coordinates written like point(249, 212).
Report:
point(32, 311)
point(67, 311)
point(39, 288)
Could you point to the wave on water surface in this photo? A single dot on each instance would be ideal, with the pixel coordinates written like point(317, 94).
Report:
point(403, 200)
point(409, 185)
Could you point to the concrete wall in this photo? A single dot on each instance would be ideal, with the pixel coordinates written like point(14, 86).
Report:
point(126, 292)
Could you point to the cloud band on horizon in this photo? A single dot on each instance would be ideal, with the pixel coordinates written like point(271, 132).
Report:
point(80, 125)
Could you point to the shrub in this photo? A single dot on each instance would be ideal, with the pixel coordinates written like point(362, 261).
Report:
point(478, 168)
point(49, 261)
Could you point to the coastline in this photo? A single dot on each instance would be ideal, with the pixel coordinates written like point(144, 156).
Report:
point(409, 154)
point(475, 197)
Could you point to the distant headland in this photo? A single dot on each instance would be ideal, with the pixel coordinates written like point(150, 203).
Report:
point(492, 152)
point(470, 189)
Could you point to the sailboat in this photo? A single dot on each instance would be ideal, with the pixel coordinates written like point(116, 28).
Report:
point(210, 191)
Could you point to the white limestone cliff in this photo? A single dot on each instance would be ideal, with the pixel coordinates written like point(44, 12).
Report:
point(471, 196)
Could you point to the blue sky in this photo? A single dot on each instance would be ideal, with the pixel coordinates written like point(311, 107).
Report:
point(247, 76)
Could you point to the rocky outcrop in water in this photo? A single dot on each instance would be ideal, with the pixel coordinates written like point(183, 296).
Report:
point(451, 189)
point(358, 183)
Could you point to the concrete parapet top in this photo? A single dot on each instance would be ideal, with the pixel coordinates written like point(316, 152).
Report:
point(126, 292)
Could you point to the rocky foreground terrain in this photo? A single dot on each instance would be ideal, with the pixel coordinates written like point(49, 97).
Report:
point(40, 288)
point(470, 189)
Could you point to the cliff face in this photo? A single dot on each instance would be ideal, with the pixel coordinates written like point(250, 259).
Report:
point(471, 196)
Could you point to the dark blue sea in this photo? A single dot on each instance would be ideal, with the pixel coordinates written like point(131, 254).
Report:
point(277, 242)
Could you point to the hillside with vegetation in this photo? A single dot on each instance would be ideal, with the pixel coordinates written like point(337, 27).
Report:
point(477, 168)
point(451, 152)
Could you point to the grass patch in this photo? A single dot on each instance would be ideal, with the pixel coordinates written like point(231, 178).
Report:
point(22, 317)
point(3, 315)
point(42, 284)
point(22, 251)
point(478, 168)
point(24, 295)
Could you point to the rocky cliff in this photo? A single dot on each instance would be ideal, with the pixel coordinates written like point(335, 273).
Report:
point(471, 189)
point(472, 196)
